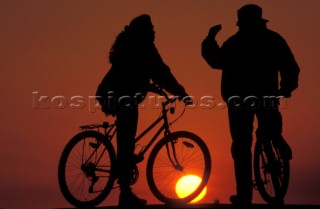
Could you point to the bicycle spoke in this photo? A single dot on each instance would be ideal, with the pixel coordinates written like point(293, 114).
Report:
point(271, 173)
point(168, 164)
point(85, 169)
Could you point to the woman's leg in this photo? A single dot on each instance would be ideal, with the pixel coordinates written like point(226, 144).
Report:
point(127, 120)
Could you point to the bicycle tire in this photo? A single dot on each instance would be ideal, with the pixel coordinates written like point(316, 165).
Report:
point(267, 180)
point(79, 167)
point(186, 145)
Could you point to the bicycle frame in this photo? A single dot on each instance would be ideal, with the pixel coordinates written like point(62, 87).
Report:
point(109, 133)
point(164, 127)
point(93, 150)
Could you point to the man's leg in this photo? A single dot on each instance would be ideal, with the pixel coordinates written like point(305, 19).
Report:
point(241, 127)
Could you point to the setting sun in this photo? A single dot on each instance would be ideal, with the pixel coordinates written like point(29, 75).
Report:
point(187, 184)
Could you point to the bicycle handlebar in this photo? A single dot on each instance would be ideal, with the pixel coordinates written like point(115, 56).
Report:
point(158, 90)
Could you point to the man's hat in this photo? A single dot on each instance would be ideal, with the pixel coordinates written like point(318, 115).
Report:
point(250, 13)
point(141, 22)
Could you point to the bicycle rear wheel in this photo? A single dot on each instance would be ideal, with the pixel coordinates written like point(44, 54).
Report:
point(271, 173)
point(176, 155)
point(86, 169)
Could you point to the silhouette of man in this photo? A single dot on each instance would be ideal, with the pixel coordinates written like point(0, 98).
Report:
point(250, 61)
point(135, 60)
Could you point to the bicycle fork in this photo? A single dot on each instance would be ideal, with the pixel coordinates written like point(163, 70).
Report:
point(172, 155)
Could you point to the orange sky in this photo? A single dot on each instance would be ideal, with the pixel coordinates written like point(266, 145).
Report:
point(60, 48)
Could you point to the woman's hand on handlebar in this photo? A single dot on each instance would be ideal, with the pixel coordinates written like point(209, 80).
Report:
point(186, 99)
point(158, 90)
point(155, 89)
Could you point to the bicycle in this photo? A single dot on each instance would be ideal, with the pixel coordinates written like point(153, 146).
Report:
point(87, 167)
point(271, 170)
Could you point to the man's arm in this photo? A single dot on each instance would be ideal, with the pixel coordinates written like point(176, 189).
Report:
point(289, 70)
point(210, 49)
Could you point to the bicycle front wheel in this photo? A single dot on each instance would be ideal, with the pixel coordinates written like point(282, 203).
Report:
point(271, 172)
point(175, 156)
point(86, 169)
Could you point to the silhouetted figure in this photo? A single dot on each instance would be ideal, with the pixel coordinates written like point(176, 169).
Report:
point(135, 60)
point(250, 61)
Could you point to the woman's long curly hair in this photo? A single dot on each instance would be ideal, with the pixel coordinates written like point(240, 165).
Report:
point(132, 33)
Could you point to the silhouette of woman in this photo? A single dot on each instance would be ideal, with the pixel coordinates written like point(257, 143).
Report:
point(135, 61)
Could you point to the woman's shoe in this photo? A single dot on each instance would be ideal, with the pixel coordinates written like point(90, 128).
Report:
point(130, 200)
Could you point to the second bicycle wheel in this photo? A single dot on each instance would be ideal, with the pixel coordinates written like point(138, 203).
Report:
point(85, 171)
point(177, 155)
point(271, 178)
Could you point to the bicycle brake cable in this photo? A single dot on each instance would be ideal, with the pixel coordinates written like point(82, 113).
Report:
point(175, 120)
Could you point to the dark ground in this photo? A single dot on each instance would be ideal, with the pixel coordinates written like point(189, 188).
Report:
point(222, 206)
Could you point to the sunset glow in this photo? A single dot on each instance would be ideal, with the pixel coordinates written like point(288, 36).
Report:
point(55, 53)
point(187, 184)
